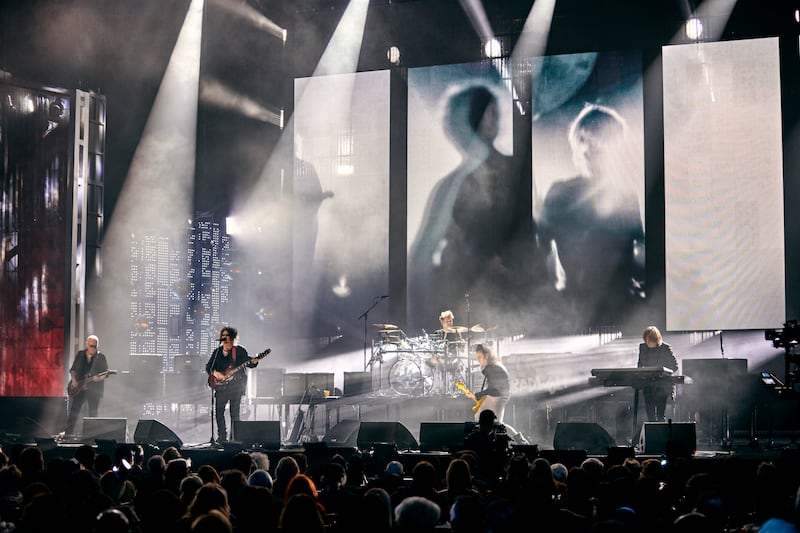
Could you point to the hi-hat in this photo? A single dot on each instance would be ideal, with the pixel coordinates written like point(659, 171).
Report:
point(385, 326)
point(456, 329)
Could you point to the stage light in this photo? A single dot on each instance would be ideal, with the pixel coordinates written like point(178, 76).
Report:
point(493, 49)
point(797, 15)
point(393, 55)
point(233, 225)
point(694, 28)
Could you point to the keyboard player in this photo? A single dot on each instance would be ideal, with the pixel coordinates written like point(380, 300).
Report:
point(654, 352)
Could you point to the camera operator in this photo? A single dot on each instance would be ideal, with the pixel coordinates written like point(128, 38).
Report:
point(490, 442)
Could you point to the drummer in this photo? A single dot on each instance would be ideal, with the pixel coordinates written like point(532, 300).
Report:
point(448, 331)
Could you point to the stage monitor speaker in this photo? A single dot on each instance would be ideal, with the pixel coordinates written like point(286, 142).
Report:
point(261, 433)
point(96, 427)
point(443, 436)
point(31, 417)
point(396, 433)
point(675, 439)
point(356, 383)
point(343, 434)
point(153, 431)
point(582, 436)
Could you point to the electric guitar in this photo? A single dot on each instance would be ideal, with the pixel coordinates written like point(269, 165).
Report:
point(230, 374)
point(465, 390)
point(73, 389)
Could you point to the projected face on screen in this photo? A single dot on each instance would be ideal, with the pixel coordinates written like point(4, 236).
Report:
point(589, 180)
point(470, 235)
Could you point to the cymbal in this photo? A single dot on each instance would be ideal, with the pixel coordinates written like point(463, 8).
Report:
point(479, 328)
point(385, 326)
point(456, 329)
point(390, 331)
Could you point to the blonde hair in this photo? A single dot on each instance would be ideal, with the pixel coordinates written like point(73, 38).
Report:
point(652, 333)
point(446, 314)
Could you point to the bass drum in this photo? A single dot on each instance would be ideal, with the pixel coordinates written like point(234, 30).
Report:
point(410, 377)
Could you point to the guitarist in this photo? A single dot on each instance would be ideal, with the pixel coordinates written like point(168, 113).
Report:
point(496, 388)
point(224, 359)
point(87, 376)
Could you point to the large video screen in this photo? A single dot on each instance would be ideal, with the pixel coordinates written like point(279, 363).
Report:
point(463, 191)
point(723, 186)
point(340, 204)
point(34, 222)
point(588, 185)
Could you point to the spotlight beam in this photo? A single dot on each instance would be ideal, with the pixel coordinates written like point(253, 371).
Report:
point(477, 15)
point(532, 41)
point(252, 16)
point(157, 194)
point(343, 50)
point(214, 92)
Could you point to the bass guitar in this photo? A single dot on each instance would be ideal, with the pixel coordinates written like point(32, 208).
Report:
point(465, 390)
point(230, 374)
point(74, 388)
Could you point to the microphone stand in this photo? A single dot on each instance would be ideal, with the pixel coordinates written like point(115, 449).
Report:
point(469, 343)
point(213, 395)
point(364, 316)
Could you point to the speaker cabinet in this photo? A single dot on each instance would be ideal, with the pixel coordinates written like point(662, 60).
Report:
point(582, 436)
point(676, 439)
point(153, 431)
point(186, 363)
point(356, 383)
point(396, 433)
point(32, 417)
point(343, 434)
point(261, 433)
point(294, 387)
point(95, 427)
point(269, 382)
point(443, 436)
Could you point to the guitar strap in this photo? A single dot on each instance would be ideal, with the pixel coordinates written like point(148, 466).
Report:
point(91, 364)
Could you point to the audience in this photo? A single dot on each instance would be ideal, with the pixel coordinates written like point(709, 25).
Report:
point(88, 493)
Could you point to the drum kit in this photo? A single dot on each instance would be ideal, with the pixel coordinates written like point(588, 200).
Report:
point(427, 364)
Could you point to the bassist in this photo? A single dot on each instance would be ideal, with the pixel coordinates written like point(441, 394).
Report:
point(496, 389)
point(87, 376)
point(223, 360)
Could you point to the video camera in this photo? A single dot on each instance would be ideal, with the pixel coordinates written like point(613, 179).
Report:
point(786, 337)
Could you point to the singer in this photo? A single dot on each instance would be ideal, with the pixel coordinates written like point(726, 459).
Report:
point(229, 386)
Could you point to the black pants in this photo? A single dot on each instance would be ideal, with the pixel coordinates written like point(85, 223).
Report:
point(222, 396)
point(92, 399)
point(655, 402)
